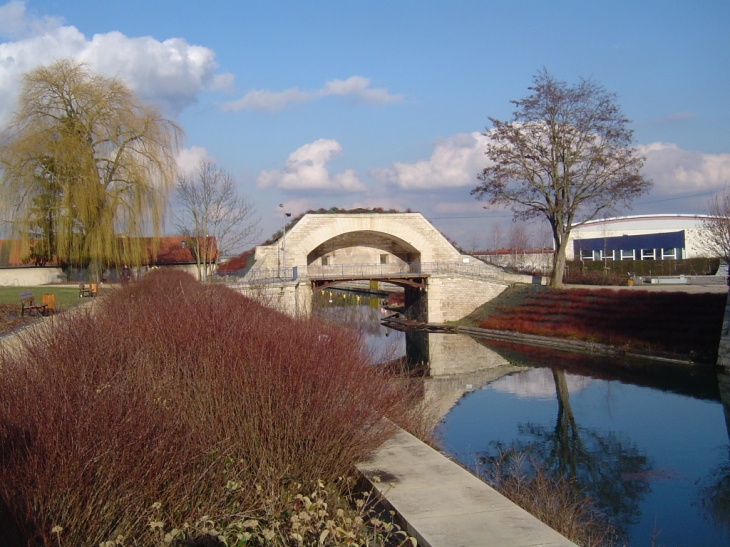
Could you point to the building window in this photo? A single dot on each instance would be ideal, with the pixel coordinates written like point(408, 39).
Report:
point(648, 254)
point(383, 259)
point(608, 255)
point(669, 254)
point(325, 261)
point(183, 244)
point(586, 254)
point(627, 254)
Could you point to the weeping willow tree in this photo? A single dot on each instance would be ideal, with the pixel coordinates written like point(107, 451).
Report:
point(87, 168)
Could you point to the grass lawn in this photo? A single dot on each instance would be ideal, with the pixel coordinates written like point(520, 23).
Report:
point(66, 297)
point(10, 319)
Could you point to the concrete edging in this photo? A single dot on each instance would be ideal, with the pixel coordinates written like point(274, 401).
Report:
point(441, 504)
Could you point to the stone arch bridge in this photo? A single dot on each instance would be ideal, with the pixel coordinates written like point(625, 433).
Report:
point(323, 250)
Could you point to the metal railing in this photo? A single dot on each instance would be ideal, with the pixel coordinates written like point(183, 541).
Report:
point(374, 271)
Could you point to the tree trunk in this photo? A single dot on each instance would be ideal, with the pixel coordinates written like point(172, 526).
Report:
point(565, 428)
point(556, 276)
point(194, 245)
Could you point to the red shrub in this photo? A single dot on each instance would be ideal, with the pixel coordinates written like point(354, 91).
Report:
point(171, 391)
point(666, 321)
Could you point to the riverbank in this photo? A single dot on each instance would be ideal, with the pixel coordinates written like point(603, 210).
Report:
point(680, 322)
point(442, 504)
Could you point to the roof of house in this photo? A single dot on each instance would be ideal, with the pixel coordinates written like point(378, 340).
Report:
point(11, 253)
point(171, 250)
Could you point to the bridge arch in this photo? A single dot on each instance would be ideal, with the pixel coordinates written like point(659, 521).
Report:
point(409, 236)
point(365, 246)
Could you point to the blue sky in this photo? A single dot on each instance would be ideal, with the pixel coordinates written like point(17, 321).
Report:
point(381, 103)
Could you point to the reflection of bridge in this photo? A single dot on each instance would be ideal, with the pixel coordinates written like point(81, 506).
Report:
point(457, 365)
point(322, 250)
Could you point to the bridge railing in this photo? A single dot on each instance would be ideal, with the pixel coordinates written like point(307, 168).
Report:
point(472, 269)
point(365, 271)
point(360, 270)
point(268, 276)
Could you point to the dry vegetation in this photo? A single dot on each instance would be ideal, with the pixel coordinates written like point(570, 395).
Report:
point(556, 501)
point(179, 408)
point(10, 318)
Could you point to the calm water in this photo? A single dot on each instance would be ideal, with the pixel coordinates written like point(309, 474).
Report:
point(649, 441)
point(647, 454)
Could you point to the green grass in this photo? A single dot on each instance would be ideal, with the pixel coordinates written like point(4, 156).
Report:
point(66, 297)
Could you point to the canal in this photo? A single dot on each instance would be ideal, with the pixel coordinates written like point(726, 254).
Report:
point(648, 441)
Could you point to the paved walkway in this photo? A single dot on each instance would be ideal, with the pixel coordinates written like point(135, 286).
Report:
point(443, 505)
point(695, 286)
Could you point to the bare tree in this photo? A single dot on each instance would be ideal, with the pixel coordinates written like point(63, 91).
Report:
point(497, 235)
point(473, 243)
point(518, 238)
point(565, 155)
point(212, 216)
point(85, 162)
point(715, 230)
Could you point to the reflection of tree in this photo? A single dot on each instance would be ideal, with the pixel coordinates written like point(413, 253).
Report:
point(714, 492)
point(360, 313)
point(714, 495)
point(605, 466)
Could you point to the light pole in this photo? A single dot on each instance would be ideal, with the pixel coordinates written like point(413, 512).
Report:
point(283, 244)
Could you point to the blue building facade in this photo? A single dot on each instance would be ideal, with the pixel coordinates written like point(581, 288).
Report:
point(657, 246)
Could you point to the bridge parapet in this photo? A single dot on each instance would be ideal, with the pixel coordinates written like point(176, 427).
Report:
point(374, 271)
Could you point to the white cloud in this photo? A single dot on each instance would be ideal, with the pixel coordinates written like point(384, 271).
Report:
point(224, 82)
point(455, 161)
point(356, 88)
point(14, 23)
point(537, 383)
point(306, 169)
point(674, 170)
point(188, 159)
point(267, 101)
point(170, 74)
point(676, 117)
point(455, 207)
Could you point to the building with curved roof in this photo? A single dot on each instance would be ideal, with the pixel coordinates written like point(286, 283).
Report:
point(638, 237)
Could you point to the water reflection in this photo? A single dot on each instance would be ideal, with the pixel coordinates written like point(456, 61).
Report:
point(606, 465)
point(362, 313)
point(648, 440)
point(714, 494)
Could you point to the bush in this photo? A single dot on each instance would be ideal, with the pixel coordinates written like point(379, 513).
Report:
point(619, 269)
point(183, 395)
point(674, 322)
point(592, 277)
point(556, 501)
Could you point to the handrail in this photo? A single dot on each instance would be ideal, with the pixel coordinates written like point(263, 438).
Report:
point(365, 271)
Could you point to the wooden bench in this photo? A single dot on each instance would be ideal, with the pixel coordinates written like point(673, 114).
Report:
point(91, 290)
point(27, 304)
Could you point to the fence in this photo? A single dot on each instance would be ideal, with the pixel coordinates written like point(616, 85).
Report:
point(366, 271)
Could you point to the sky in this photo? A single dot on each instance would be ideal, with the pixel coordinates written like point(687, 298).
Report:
point(384, 103)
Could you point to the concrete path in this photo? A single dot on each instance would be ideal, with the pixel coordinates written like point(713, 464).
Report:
point(696, 287)
point(16, 340)
point(443, 505)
